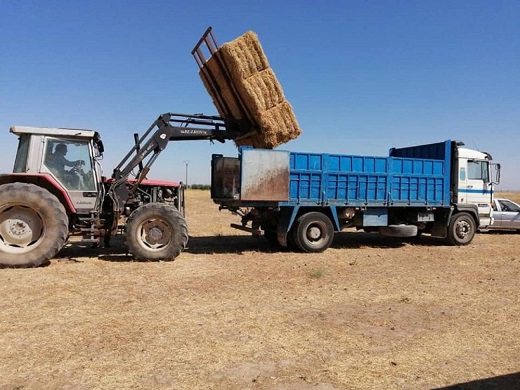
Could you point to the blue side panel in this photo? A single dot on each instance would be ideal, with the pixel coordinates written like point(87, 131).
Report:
point(436, 151)
point(417, 181)
point(410, 176)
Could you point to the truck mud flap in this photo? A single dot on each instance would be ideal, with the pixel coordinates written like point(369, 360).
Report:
point(440, 230)
point(287, 218)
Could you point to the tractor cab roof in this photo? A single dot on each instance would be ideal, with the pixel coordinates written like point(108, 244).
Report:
point(53, 131)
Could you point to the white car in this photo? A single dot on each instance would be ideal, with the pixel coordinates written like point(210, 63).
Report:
point(506, 215)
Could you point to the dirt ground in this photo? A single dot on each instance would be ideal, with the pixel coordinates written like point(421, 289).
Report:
point(233, 312)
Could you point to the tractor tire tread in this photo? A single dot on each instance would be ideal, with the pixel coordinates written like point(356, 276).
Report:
point(54, 217)
point(168, 213)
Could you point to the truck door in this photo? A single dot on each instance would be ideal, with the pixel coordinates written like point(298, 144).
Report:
point(475, 187)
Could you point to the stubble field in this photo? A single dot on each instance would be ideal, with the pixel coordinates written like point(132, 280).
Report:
point(233, 312)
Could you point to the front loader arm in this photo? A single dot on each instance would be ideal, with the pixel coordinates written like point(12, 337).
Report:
point(168, 127)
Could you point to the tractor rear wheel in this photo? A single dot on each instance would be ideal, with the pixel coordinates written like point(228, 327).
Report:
point(156, 231)
point(33, 225)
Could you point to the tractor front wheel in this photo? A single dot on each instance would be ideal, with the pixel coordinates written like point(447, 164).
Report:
point(156, 231)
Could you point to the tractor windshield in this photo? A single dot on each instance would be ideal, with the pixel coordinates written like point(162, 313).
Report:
point(69, 161)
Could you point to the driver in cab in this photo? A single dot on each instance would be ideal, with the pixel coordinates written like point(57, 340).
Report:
point(58, 161)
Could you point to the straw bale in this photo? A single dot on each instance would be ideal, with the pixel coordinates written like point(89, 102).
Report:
point(278, 125)
point(244, 56)
point(261, 92)
point(280, 120)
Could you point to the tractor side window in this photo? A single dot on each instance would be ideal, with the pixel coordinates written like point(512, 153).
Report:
point(20, 164)
point(70, 163)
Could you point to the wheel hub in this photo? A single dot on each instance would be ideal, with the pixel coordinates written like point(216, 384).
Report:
point(155, 234)
point(314, 233)
point(20, 227)
point(463, 229)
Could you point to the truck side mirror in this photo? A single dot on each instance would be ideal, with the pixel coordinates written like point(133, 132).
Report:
point(497, 173)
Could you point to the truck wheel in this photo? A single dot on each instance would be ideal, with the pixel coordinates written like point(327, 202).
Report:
point(461, 229)
point(33, 225)
point(313, 232)
point(156, 231)
point(400, 231)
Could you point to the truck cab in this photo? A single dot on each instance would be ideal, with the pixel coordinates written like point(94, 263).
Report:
point(473, 183)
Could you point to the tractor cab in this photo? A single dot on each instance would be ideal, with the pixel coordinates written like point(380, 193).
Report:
point(63, 158)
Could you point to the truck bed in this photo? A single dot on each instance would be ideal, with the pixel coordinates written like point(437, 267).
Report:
point(414, 176)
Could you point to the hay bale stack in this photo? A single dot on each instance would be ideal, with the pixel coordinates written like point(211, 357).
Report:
point(245, 88)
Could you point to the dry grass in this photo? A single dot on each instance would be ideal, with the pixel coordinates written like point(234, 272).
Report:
point(235, 313)
point(514, 196)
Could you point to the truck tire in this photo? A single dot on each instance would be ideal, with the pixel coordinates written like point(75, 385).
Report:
point(461, 229)
point(33, 225)
point(313, 232)
point(400, 231)
point(156, 231)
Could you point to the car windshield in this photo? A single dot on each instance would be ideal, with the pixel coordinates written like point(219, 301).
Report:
point(507, 205)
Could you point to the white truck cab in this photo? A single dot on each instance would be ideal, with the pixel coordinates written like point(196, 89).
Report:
point(474, 183)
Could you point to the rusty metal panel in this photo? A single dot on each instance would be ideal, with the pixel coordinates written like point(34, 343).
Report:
point(265, 175)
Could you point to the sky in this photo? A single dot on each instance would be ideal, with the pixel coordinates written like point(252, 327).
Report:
point(362, 76)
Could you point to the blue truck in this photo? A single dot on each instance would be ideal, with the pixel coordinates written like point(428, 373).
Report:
point(300, 200)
